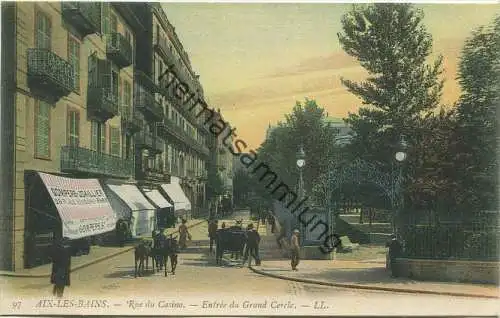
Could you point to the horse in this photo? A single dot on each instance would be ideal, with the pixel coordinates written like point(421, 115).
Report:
point(142, 251)
point(163, 249)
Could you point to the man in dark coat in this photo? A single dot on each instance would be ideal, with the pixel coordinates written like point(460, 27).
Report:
point(252, 246)
point(61, 266)
point(395, 251)
point(212, 232)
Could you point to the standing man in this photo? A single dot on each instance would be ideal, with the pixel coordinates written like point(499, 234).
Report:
point(295, 249)
point(61, 266)
point(212, 233)
point(395, 251)
point(252, 248)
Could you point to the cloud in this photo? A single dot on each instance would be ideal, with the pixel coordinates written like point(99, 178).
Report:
point(335, 61)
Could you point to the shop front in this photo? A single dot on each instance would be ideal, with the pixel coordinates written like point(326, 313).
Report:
point(176, 196)
point(56, 207)
point(165, 217)
point(132, 206)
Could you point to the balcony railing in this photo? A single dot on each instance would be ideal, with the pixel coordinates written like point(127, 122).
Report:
point(102, 102)
point(84, 16)
point(146, 103)
point(130, 120)
point(157, 174)
point(146, 81)
point(49, 74)
point(83, 160)
point(119, 49)
point(144, 140)
point(168, 128)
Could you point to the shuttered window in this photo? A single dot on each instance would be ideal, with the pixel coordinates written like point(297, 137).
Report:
point(42, 130)
point(74, 60)
point(43, 31)
point(114, 146)
point(73, 128)
point(103, 138)
point(105, 17)
point(94, 133)
point(127, 96)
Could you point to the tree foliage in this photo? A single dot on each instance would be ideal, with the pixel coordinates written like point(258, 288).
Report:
point(475, 138)
point(392, 45)
point(306, 125)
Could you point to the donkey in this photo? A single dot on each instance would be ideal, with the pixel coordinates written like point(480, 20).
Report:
point(141, 253)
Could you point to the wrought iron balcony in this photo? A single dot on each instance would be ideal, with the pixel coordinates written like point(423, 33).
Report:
point(146, 81)
point(146, 103)
point(119, 49)
point(84, 16)
point(102, 102)
point(158, 145)
point(144, 140)
point(76, 159)
point(131, 122)
point(158, 175)
point(49, 74)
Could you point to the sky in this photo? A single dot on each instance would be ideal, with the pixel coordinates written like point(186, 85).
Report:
point(255, 60)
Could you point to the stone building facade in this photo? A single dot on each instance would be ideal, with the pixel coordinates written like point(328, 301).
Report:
point(81, 97)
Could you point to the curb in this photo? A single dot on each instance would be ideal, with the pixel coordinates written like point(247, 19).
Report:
point(91, 262)
point(368, 287)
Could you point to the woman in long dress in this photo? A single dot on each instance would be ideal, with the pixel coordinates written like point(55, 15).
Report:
point(183, 234)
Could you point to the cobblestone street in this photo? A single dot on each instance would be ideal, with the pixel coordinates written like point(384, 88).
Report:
point(198, 277)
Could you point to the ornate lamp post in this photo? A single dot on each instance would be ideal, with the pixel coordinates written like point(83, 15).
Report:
point(301, 162)
point(400, 157)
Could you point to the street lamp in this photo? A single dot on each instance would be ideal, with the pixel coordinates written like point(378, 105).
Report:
point(400, 157)
point(301, 162)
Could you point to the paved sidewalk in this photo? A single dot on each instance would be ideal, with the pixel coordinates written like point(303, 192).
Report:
point(97, 254)
point(366, 274)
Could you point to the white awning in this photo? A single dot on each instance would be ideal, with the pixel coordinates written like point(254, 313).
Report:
point(174, 191)
point(82, 205)
point(132, 196)
point(157, 198)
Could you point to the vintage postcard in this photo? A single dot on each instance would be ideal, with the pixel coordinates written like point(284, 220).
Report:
point(249, 159)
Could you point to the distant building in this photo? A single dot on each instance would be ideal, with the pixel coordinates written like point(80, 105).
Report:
point(342, 130)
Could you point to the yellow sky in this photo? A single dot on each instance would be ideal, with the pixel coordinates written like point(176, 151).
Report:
point(256, 59)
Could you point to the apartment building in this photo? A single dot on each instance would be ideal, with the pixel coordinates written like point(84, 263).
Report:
point(185, 137)
point(81, 98)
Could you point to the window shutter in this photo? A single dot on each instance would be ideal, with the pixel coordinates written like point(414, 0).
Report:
point(93, 139)
point(105, 18)
point(103, 138)
point(42, 137)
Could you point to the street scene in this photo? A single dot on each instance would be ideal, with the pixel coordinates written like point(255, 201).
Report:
point(249, 159)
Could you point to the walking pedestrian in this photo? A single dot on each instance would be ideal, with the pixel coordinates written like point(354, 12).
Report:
point(252, 246)
point(212, 233)
point(183, 234)
point(61, 266)
point(295, 249)
point(395, 251)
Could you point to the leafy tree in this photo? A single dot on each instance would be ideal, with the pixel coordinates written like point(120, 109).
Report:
point(475, 141)
point(392, 45)
point(242, 187)
point(306, 125)
point(215, 185)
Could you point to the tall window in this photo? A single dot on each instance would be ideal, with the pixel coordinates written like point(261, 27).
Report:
point(127, 96)
point(74, 60)
point(128, 36)
point(105, 17)
point(114, 145)
point(43, 31)
point(115, 80)
point(73, 128)
point(114, 23)
point(95, 127)
point(42, 130)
